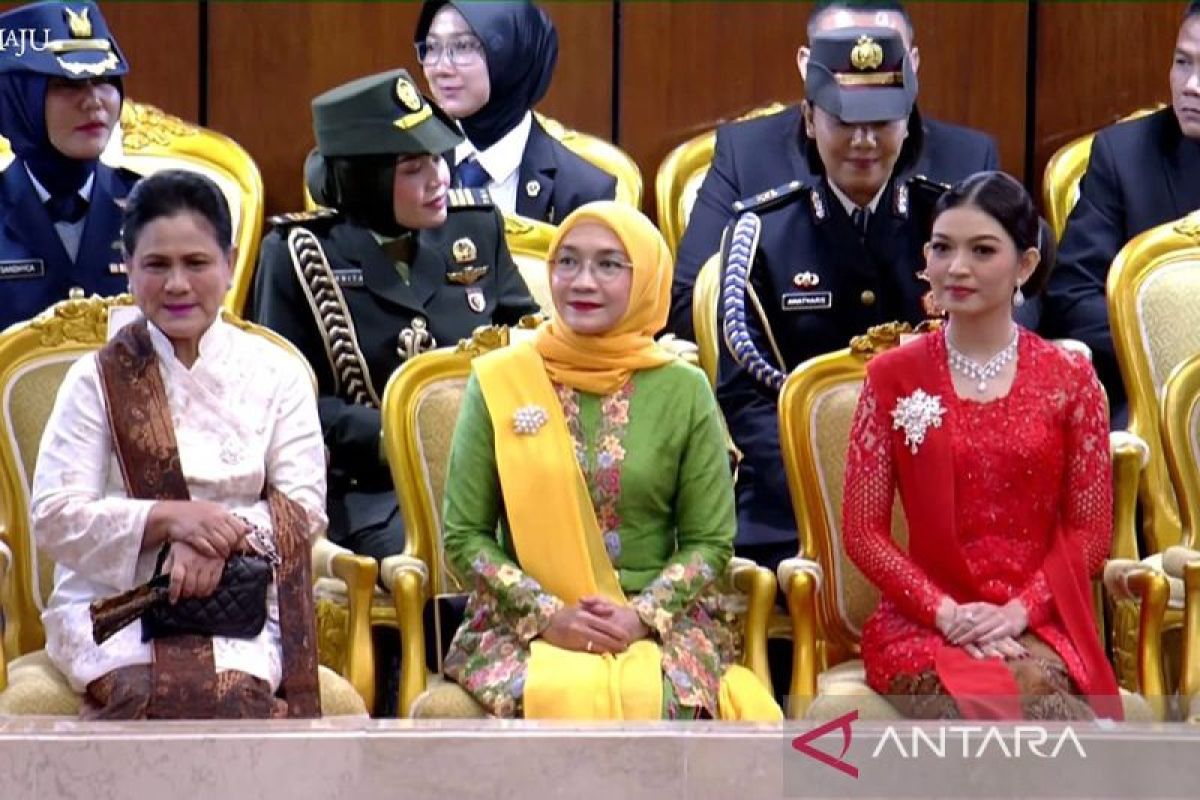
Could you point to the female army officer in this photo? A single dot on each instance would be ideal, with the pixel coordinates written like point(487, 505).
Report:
point(807, 267)
point(401, 264)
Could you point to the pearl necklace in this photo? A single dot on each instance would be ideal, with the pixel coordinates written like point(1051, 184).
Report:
point(969, 368)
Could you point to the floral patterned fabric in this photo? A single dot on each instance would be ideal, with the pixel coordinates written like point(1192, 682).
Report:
point(1026, 463)
point(654, 458)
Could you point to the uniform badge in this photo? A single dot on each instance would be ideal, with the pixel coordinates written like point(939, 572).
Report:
point(902, 200)
point(806, 280)
point(351, 278)
point(818, 205)
point(806, 301)
point(117, 268)
point(22, 268)
point(78, 23)
point(467, 275)
point(464, 250)
point(867, 54)
point(475, 299)
point(407, 94)
point(533, 188)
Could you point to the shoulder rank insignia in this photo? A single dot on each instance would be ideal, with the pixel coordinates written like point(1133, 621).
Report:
point(464, 197)
point(818, 204)
point(303, 217)
point(925, 190)
point(768, 199)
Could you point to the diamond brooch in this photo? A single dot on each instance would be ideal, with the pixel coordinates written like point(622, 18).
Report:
point(528, 420)
point(916, 414)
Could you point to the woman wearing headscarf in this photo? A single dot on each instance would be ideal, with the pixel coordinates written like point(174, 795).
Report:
point(60, 215)
point(488, 64)
point(602, 457)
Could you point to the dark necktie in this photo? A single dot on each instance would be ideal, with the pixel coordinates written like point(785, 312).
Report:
point(860, 218)
point(67, 207)
point(471, 174)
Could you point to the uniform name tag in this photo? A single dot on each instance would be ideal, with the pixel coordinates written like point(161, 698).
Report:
point(27, 268)
point(348, 277)
point(807, 301)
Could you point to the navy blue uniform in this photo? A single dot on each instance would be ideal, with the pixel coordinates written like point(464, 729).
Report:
point(1142, 173)
point(35, 269)
point(565, 181)
point(819, 283)
point(756, 155)
point(454, 288)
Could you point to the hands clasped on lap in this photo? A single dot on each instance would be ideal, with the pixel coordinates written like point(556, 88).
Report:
point(203, 535)
point(596, 625)
point(984, 630)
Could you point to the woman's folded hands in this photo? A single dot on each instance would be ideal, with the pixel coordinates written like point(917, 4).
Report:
point(984, 630)
point(595, 625)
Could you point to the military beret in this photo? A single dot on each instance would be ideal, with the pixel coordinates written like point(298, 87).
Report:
point(381, 114)
point(861, 75)
point(65, 40)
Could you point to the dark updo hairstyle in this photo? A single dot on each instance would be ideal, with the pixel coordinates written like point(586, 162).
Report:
point(1004, 199)
point(170, 192)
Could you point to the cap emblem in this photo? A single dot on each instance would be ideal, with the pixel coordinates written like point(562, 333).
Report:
point(78, 22)
point(867, 54)
point(407, 94)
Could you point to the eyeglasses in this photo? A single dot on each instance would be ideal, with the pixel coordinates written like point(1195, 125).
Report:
point(463, 52)
point(605, 269)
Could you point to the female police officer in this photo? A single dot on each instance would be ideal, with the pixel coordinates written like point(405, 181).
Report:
point(807, 267)
point(402, 264)
point(60, 98)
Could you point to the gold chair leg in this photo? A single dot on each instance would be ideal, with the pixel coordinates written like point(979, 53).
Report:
point(759, 585)
point(408, 596)
point(802, 608)
point(359, 574)
point(1154, 592)
point(1189, 672)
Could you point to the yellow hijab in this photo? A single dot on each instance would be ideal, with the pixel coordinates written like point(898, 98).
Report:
point(601, 364)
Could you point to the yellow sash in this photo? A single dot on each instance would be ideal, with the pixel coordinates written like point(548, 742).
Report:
point(558, 543)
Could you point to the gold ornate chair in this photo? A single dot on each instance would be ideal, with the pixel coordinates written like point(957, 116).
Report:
point(529, 243)
point(151, 140)
point(420, 408)
point(603, 154)
point(1181, 446)
point(828, 598)
point(1064, 170)
point(706, 294)
point(681, 173)
point(34, 358)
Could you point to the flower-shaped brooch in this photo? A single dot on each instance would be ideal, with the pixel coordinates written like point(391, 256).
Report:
point(528, 420)
point(916, 414)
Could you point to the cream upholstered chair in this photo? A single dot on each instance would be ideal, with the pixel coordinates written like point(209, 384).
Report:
point(529, 243)
point(34, 358)
point(1153, 293)
point(420, 409)
point(828, 598)
point(603, 154)
point(1064, 170)
point(149, 139)
point(1181, 446)
point(681, 173)
point(706, 294)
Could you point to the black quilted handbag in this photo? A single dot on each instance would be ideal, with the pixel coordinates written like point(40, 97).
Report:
point(237, 608)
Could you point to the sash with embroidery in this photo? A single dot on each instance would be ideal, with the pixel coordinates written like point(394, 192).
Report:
point(184, 671)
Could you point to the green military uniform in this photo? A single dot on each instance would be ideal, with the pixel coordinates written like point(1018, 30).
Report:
point(359, 304)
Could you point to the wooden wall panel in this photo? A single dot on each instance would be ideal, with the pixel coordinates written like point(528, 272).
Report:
point(268, 60)
point(687, 66)
point(1096, 62)
point(162, 43)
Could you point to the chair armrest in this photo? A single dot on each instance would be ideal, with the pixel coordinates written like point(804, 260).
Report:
point(1130, 454)
point(758, 584)
point(801, 580)
point(407, 578)
point(1184, 563)
point(359, 574)
point(5, 563)
point(1127, 580)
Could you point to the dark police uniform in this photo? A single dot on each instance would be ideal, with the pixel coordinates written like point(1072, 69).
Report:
point(357, 308)
point(462, 276)
point(757, 155)
point(35, 268)
point(814, 283)
point(1141, 174)
point(801, 276)
point(67, 40)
